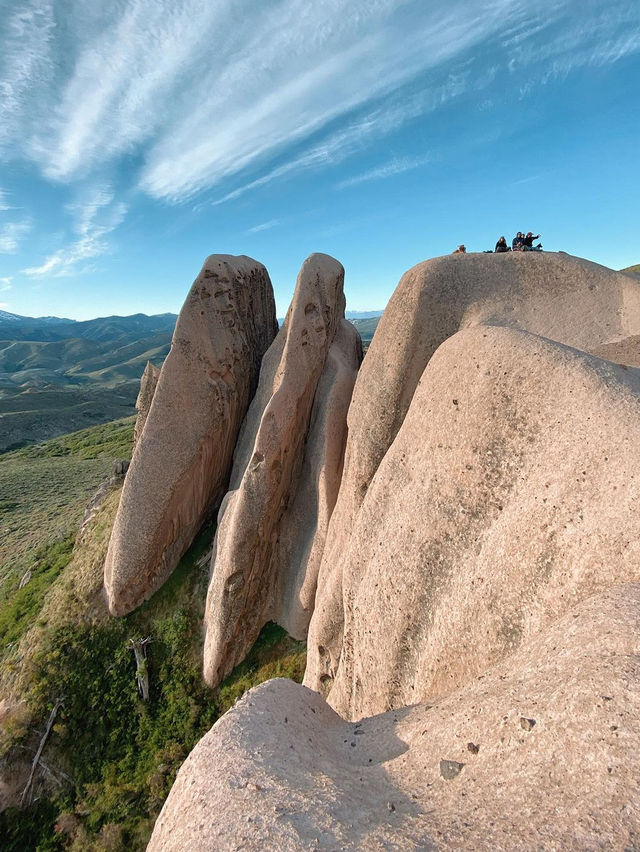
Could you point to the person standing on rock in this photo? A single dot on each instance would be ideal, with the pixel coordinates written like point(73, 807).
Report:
point(501, 246)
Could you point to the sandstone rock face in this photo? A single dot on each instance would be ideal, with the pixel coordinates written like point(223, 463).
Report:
point(180, 467)
point(148, 384)
point(286, 473)
point(539, 753)
point(557, 296)
point(511, 491)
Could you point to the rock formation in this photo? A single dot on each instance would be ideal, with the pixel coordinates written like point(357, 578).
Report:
point(286, 473)
point(148, 384)
point(540, 752)
point(180, 467)
point(510, 492)
point(556, 296)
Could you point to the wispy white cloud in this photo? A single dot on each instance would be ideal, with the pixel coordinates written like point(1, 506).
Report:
point(321, 66)
point(591, 36)
point(26, 67)
point(4, 202)
point(198, 93)
point(95, 215)
point(397, 166)
point(355, 136)
point(12, 234)
point(265, 226)
point(5, 283)
point(203, 90)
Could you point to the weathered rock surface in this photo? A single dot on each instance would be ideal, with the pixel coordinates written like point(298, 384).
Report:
point(557, 296)
point(283, 771)
point(148, 384)
point(626, 351)
point(180, 467)
point(511, 491)
point(286, 474)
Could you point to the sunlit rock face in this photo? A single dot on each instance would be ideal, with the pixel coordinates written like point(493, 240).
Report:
point(540, 752)
point(287, 468)
point(473, 650)
point(511, 491)
point(555, 296)
point(182, 460)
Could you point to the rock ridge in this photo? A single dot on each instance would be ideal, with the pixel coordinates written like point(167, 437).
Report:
point(287, 467)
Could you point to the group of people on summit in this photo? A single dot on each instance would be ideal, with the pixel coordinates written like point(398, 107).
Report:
point(521, 242)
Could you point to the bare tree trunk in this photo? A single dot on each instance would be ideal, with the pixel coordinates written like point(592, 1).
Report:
point(139, 647)
point(52, 717)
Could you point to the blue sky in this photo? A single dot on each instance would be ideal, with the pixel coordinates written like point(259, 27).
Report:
point(138, 136)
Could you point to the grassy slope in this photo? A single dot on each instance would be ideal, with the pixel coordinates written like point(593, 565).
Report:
point(65, 361)
point(632, 270)
point(111, 758)
point(45, 488)
point(367, 328)
point(37, 415)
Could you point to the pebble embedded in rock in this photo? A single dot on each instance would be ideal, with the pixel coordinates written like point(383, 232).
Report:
point(450, 769)
point(473, 748)
point(527, 724)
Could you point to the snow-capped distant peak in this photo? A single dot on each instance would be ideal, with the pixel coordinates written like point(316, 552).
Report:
point(7, 317)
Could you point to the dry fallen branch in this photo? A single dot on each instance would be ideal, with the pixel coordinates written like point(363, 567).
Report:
point(26, 793)
point(139, 647)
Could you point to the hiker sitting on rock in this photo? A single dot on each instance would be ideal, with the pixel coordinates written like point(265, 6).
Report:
point(517, 243)
point(460, 250)
point(501, 246)
point(528, 243)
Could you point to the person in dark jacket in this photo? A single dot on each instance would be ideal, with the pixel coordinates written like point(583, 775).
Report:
point(528, 243)
point(501, 246)
point(518, 241)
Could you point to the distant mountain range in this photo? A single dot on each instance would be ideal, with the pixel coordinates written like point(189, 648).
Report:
point(367, 327)
point(48, 351)
point(58, 375)
point(357, 315)
point(104, 329)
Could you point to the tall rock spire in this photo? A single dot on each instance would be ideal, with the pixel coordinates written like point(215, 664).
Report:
point(180, 467)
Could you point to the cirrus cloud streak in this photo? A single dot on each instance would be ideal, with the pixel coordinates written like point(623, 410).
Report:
point(200, 93)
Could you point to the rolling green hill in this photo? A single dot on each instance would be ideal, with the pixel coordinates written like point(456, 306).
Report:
point(367, 328)
point(36, 414)
point(60, 375)
point(75, 361)
point(111, 757)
